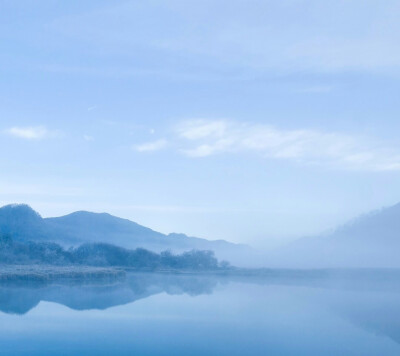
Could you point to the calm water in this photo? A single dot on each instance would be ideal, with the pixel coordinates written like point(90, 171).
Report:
point(176, 315)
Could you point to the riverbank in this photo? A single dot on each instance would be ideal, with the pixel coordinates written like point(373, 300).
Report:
point(45, 273)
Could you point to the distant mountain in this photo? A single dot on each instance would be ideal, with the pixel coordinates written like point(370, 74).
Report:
point(380, 227)
point(372, 240)
point(24, 224)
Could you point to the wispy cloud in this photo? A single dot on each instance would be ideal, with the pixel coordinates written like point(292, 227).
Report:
point(88, 138)
point(30, 132)
point(202, 138)
point(151, 146)
point(259, 35)
point(318, 89)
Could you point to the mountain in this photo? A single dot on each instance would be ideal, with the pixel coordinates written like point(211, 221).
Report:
point(24, 224)
point(372, 240)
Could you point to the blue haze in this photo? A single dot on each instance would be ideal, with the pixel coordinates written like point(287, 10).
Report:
point(103, 79)
point(278, 317)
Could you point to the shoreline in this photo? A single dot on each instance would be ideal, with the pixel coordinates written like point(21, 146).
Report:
point(48, 273)
point(52, 272)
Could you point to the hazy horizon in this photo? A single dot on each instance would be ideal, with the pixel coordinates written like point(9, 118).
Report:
point(256, 122)
point(271, 245)
point(246, 154)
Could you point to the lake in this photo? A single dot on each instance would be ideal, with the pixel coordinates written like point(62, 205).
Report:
point(153, 314)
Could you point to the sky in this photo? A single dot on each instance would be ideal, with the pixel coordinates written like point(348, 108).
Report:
point(252, 121)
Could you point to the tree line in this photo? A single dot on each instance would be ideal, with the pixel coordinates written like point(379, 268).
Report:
point(102, 254)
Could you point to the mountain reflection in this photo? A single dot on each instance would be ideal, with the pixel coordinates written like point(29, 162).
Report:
point(21, 298)
point(377, 313)
point(368, 299)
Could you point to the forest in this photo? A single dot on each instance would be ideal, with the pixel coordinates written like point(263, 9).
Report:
point(104, 255)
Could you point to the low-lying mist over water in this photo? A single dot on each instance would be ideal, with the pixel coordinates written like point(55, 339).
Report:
point(95, 284)
point(63, 292)
point(335, 313)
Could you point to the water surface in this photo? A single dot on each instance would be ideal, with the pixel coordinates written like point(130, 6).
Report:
point(153, 314)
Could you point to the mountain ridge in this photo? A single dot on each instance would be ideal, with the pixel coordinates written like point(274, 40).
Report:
point(23, 223)
point(370, 240)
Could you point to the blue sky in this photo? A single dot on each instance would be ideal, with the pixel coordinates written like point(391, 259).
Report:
point(252, 121)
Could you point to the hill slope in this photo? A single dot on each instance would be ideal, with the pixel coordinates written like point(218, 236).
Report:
point(372, 240)
point(25, 224)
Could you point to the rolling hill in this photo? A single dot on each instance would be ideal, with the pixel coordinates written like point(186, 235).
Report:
point(25, 224)
point(372, 240)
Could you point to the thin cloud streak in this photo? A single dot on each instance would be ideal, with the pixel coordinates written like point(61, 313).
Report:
point(204, 138)
point(151, 146)
point(285, 36)
point(88, 138)
point(31, 132)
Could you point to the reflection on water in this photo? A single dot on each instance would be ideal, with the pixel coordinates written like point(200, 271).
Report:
point(297, 313)
point(19, 298)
